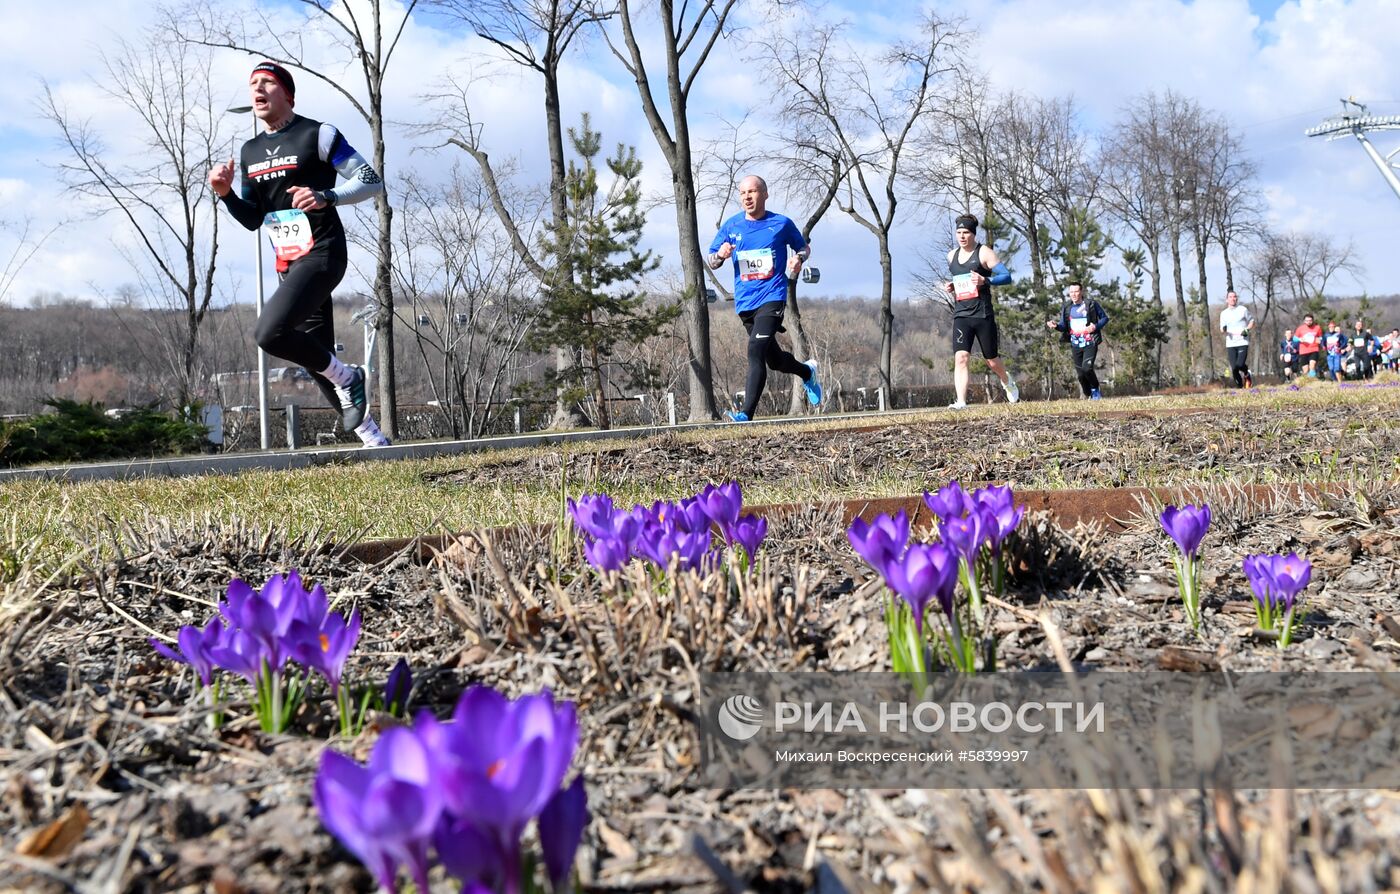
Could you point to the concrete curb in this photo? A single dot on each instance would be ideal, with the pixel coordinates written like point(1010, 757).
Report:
point(282, 460)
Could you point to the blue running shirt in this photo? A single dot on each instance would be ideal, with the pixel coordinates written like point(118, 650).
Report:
point(760, 257)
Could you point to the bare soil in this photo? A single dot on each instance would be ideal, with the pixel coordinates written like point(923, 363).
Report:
point(1110, 448)
point(102, 748)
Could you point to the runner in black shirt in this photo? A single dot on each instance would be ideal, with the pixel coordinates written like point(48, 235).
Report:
point(975, 269)
point(290, 174)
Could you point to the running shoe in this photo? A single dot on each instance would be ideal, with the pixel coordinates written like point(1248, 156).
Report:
point(1094, 395)
point(353, 403)
point(371, 436)
point(735, 416)
point(1013, 392)
point(958, 405)
point(813, 386)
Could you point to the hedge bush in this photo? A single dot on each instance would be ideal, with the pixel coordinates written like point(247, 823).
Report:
point(78, 432)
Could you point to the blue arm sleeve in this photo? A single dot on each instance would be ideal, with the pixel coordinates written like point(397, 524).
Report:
point(1000, 276)
point(359, 180)
point(1103, 318)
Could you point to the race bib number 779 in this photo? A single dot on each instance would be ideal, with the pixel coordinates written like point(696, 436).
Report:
point(290, 232)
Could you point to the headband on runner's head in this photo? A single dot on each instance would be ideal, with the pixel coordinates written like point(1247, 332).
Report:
point(283, 76)
point(967, 222)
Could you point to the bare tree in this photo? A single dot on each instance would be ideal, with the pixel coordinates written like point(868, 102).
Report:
point(1310, 260)
point(1293, 270)
point(1035, 151)
point(869, 110)
point(472, 296)
point(367, 35)
point(158, 192)
point(1152, 158)
point(26, 244)
point(536, 35)
point(688, 35)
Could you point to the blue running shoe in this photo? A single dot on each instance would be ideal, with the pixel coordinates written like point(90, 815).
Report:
point(813, 386)
point(734, 416)
point(1094, 395)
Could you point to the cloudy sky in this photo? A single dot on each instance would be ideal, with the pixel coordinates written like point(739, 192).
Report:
point(1271, 67)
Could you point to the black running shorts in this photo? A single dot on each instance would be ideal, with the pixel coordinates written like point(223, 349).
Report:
point(983, 330)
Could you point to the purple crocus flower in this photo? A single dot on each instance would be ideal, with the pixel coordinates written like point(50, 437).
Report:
point(1001, 514)
point(241, 653)
point(951, 501)
point(1289, 575)
point(504, 760)
point(268, 614)
point(881, 540)
point(927, 571)
point(1187, 526)
point(194, 648)
point(471, 856)
point(624, 529)
point(1258, 571)
point(963, 535)
point(690, 514)
point(398, 688)
point(607, 554)
point(593, 514)
point(561, 826)
point(326, 648)
point(386, 812)
point(659, 541)
point(723, 503)
point(748, 532)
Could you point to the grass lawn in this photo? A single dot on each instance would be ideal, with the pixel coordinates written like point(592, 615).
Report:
point(1322, 425)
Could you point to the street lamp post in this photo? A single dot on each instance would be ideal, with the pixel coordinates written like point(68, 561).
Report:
point(264, 412)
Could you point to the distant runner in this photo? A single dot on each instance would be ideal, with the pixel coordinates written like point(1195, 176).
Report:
point(1390, 350)
point(1288, 356)
point(1236, 322)
point(1309, 336)
point(975, 268)
point(1360, 344)
point(1082, 321)
point(768, 250)
point(1334, 344)
point(294, 174)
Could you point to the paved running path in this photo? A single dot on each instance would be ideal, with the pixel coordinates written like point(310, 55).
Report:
point(307, 457)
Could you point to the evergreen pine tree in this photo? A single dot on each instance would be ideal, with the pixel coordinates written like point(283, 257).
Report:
point(600, 306)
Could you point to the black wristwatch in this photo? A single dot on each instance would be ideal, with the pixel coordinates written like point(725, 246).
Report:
point(328, 196)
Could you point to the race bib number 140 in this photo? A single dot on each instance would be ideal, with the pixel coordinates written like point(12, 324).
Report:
point(756, 263)
point(290, 232)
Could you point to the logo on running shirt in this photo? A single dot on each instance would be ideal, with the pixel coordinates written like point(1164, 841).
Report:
point(273, 151)
point(273, 167)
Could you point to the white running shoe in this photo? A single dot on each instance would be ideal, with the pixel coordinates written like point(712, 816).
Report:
point(370, 435)
point(1013, 393)
point(958, 405)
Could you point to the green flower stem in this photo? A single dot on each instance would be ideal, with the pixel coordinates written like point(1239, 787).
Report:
point(968, 576)
point(1188, 584)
